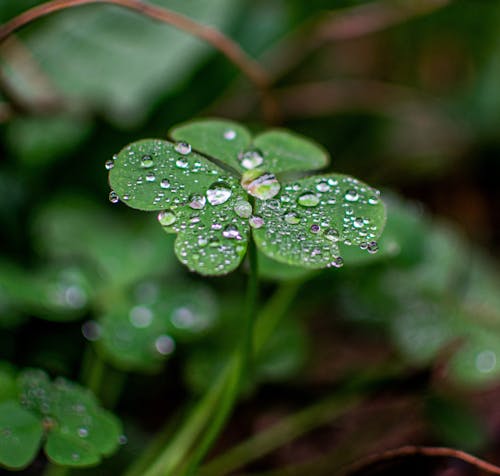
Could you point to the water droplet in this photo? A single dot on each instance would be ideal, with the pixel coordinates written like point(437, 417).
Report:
point(83, 432)
point(292, 218)
point(166, 217)
point(331, 234)
point(373, 200)
point(197, 202)
point(150, 177)
point(113, 197)
point(230, 134)
point(218, 193)
point(351, 195)
point(75, 456)
point(308, 199)
point(262, 185)
point(165, 183)
point(315, 228)
point(122, 440)
point(183, 148)
point(323, 186)
point(338, 262)
point(146, 162)
point(251, 158)
point(358, 223)
point(181, 163)
point(372, 247)
point(486, 361)
point(109, 164)
point(243, 209)
point(164, 344)
point(231, 232)
point(91, 330)
point(141, 316)
point(256, 222)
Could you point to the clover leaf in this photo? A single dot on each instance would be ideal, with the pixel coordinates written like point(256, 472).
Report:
point(62, 415)
point(216, 183)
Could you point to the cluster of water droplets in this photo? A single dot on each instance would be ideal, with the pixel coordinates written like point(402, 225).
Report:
point(310, 218)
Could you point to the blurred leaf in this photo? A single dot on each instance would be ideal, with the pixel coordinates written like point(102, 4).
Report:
point(119, 62)
point(20, 435)
point(276, 271)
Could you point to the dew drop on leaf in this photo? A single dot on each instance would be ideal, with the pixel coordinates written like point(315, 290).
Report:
point(165, 183)
point(109, 164)
point(181, 163)
point(323, 186)
point(231, 232)
point(351, 195)
point(292, 218)
point(218, 193)
point(251, 159)
point(332, 234)
point(243, 209)
point(256, 221)
point(358, 223)
point(315, 228)
point(150, 177)
point(230, 134)
point(183, 148)
point(113, 197)
point(167, 217)
point(197, 201)
point(146, 162)
point(261, 185)
point(308, 199)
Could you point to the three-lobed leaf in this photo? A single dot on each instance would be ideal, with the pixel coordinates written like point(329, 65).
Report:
point(217, 182)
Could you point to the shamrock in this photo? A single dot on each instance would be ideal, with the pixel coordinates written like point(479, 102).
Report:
point(216, 184)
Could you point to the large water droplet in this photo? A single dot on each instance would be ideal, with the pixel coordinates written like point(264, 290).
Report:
point(113, 197)
point(197, 202)
point(262, 185)
point(230, 134)
point(256, 221)
point(251, 159)
point(167, 217)
point(292, 218)
point(243, 209)
point(218, 193)
point(351, 195)
point(165, 183)
point(146, 162)
point(164, 344)
point(231, 232)
point(308, 199)
point(183, 148)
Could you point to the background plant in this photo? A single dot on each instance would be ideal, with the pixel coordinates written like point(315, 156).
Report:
point(402, 343)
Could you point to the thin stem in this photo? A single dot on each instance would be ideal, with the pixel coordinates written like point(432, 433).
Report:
point(431, 451)
point(218, 40)
point(286, 430)
point(53, 469)
point(93, 370)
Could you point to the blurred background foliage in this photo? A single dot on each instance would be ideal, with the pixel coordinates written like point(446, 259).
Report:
point(403, 93)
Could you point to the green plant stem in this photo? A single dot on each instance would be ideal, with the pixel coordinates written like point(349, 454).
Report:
point(286, 430)
point(93, 371)
point(56, 470)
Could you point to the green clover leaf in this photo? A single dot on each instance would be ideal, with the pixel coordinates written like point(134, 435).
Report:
point(216, 183)
point(75, 429)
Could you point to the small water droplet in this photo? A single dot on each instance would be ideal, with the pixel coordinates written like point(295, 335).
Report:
point(358, 223)
point(147, 162)
point(197, 202)
point(218, 193)
point(167, 217)
point(262, 185)
point(292, 218)
point(315, 228)
point(243, 209)
point(251, 159)
point(351, 195)
point(164, 344)
point(113, 197)
point(91, 330)
point(308, 199)
point(109, 164)
point(373, 200)
point(181, 163)
point(75, 456)
point(256, 221)
point(83, 432)
point(141, 316)
point(165, 183)
point(151, 177)
point(372, 247)
point(122, 440)
point(338, 262)
point(230, 134)
point(231, 232)
point(323, 186)
point(331, 234)
point(486, 361)
point(183, 148)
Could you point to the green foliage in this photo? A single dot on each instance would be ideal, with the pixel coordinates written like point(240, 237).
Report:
point(302, 222)
point(76, 431)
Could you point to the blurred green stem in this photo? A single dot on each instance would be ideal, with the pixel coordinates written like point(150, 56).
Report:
point(56, 470)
